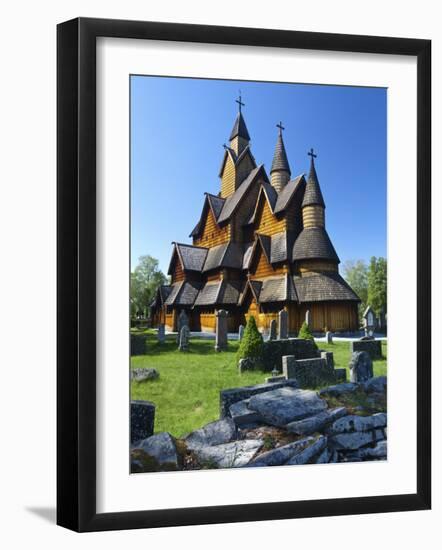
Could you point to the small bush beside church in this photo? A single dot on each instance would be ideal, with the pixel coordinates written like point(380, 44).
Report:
point(251, 346)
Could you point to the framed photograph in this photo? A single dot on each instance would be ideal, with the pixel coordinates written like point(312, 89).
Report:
point(243, 264)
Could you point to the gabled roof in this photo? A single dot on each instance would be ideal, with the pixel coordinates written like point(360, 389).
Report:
point(313, 243)
point(183, 293)
point(215, 204)
point(313, 195)
point(323, 287)
point(208, 295)
point(233, 200)
point(265, 242)
point(281, 247)
point(191, 257)
point(161, 295)
point(219, 293)
point(228, 152)
point(287, 192)
point(239, 128)
point(228, 254)
point(280, 161)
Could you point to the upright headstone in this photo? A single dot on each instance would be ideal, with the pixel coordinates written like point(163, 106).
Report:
point(184, 338)
point(221, 330)
point(307, 317)
point(361, 367)
point(240, 332)
point(183, 321)
point(142, 418)
point(272, 335)
point(329, 337)
point(161, 333)
point(283, 318)
point(369, 321)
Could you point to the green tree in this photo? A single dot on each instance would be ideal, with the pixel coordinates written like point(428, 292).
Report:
point(305, 332)
point(144, 281)
point(377, 284)
point(356, 275)
point(251, 344)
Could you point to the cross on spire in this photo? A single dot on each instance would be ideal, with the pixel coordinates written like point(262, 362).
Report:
point(281, 127)
point(240, 103)
point(312, 154)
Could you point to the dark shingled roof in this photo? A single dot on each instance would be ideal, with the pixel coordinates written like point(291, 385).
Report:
point(224, 255)
point(174, 290)
point(208, 294)
point(274, 289)
point(192, 257)
point(265, 241)
point(248, 247)
point(322, 287)
point(185, 295)
point(233, 200)
point(230, 292)
point(287, 193)
point(239, 128)
point(271, 194)
point(280, 161)
point(216, 204)
point(281, 247)
point(313, 243)
point(313, 193)
point(161, 295)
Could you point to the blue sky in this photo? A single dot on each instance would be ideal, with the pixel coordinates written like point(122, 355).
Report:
point(178, 127)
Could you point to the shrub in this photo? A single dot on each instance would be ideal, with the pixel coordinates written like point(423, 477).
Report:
point(251, 344)
point(305, 332)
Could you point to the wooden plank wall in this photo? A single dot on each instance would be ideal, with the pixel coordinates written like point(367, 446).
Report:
point(212, 235)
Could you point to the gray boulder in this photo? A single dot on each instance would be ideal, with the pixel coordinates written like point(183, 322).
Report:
point(339, 389)
point(317, 422)
point(305, 456)
point(280, 455)
point(230, 455)
point(142, 374)
point(324, 457)
point(376, 385)
point(242, 415)
point(355, 440)
point(162, 448)
point(354, 423)
point(215, 433)
point(379, 451)
point(284, 405)
point(361, 367)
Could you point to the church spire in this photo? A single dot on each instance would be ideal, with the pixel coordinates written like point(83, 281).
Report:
point(313, 204)
point(239, 136)
point(280, 171)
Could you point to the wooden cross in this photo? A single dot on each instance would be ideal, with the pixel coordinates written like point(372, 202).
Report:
point(312, 154)
point(280, 126)
point(240, 103)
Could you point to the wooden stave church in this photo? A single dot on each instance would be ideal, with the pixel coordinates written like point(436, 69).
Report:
point(260, 246)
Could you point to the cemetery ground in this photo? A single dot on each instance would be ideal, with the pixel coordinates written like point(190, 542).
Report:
point(186, 394)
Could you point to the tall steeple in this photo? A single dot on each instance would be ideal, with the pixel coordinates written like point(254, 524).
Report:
point(280, 171)
point(239, 136)
point(313, 204)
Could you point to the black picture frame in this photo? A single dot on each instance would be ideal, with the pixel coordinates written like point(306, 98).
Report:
point(76, 273)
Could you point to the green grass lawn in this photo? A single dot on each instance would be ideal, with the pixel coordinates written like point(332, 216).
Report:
point(186, 394)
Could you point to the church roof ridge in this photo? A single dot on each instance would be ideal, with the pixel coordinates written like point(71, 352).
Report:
point(313, 194)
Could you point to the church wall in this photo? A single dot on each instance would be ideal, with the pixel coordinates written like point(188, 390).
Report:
point(228, 179)
point(177, 273)
point(279, 179)
point(212, 235)
point(238, 144)
point(261, 268)
point(267, 223)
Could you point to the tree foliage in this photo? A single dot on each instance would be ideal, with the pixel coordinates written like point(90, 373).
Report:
point(377, 285)
point(305, 332)
point(251, 344)
point(144, 281)
point(369, 282)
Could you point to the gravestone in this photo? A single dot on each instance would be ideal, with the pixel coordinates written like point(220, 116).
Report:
point(369, 321)
point(361, 367)
point(184, 338)
point(142, 418)
point(307, 317)
point(329, 337)
point(221, 330)
point(283, 324)
point(161, 333)
point(138, 344)
point(272, 333)
point(240, 332)
point(183, 321)
point(309, 373)
point(370, 345)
